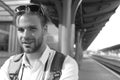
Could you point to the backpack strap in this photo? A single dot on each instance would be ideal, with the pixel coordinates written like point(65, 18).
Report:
point(14, 66)
point(56, 66)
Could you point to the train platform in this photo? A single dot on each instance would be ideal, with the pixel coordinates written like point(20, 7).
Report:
point(92, 70)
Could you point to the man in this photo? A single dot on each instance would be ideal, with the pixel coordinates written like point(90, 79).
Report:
point(31, 26)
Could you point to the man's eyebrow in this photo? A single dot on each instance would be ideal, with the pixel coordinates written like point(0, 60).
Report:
point(27, 26)
point(32, 25)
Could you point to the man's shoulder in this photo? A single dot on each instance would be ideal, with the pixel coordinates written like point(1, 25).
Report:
point(70, 59)
point(70, 69)
point(67, 60)
point(13, 58)
point(17, 57)
point(70, 62)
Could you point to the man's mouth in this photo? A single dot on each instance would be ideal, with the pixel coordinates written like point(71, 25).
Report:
point(27, 44)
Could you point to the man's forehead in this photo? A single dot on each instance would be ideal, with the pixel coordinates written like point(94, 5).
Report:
point(28, 19)
point(30, 16)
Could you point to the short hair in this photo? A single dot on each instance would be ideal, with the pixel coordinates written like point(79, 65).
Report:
point(44, 17)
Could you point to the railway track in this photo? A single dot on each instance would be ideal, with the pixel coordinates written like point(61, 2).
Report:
point(112, 64)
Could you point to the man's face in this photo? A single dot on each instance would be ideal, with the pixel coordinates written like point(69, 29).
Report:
point(30, 33)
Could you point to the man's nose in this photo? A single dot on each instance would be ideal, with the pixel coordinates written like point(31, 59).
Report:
point(26, 33)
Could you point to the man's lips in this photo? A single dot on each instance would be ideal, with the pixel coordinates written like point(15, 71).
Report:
point(27, 42)
point(27, 45)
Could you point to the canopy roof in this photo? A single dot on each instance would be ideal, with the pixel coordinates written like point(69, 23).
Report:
point(91, 15)
point(111, 48)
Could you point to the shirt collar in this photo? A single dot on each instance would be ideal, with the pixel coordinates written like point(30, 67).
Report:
point(45, 55)
point(25, 60)
point(42, 59)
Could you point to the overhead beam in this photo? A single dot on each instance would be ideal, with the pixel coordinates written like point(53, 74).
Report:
point(7, 8)
point(16, 2)
point(11, 7)
point(6, 18)
point(4, 13)
point(4, 32)
point(99, 3)
point(74, 9)
point(111, 7)
point(87, 25)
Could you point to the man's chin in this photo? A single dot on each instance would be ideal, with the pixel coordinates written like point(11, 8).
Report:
point(28, 51)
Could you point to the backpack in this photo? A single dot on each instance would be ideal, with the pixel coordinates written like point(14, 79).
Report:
point(55, 70)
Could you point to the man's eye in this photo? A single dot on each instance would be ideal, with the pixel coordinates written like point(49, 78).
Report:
point(21, 29)
point(32, 29)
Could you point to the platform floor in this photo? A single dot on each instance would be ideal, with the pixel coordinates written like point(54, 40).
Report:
point(92, 70)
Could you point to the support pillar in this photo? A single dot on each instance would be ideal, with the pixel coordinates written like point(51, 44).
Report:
point(72, 40)
point(75, 7)
point(79, 50)
point(80, 33)
point(65, 28)
point(66, 12)
point(13, 43)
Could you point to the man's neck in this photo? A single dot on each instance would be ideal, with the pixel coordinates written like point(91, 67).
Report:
point(36, 55)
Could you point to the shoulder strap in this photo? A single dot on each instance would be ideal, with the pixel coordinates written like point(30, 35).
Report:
point(14, 66)
point(56, 65)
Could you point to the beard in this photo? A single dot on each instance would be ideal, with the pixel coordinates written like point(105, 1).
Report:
point(32, 47)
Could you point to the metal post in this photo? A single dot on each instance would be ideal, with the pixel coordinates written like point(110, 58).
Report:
point(65, 28)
